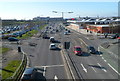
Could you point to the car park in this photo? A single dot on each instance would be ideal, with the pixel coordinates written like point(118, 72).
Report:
point(52, 46)
point(29, 74)
point(77, 50)
point(91, 49)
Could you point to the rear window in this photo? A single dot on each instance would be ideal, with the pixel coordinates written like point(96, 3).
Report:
point(52, 45)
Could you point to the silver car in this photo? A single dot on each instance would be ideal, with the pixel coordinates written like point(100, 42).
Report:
point(52, 46)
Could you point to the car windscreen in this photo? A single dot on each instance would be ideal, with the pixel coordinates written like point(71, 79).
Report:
point(27, 76)
point(78, 49)
point(92, 48)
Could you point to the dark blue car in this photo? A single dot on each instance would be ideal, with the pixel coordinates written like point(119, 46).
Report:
point(12, 39)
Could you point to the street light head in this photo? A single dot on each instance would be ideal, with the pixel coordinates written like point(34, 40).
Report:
point(70, 12)
point(54, 11)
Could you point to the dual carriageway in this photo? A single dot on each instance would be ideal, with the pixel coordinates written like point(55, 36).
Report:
point(64, 64)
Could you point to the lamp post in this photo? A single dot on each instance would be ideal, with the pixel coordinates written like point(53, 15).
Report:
point(61, 13)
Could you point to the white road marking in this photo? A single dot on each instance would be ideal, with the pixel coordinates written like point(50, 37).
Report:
point(87, 38)
point(111, 53)
point(84, 68)
point(98, 48)
point(44, 71)
point(110, 65)
point(102, 68)
point(102, 58)
point(83, 41)
point(93, 69)
point(105, 60)
point(55, 78)
point(50, 66)
point(114, 69)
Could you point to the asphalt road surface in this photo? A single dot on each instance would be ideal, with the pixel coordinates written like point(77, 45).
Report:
point(90, 66)
point(50, 63)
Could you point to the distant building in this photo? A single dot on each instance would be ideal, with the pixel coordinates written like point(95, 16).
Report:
point(0, 23)
point(41, 18)
point(98, 25)
point(47, 19)
point(104, 28)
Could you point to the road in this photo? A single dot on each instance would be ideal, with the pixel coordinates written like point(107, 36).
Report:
point(90, 66)
point(51, 64)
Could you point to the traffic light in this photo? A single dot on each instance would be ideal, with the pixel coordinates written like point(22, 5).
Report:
point(19, 49)
point(66, 45)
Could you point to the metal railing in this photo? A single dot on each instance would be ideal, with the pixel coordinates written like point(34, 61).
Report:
point(18, 73)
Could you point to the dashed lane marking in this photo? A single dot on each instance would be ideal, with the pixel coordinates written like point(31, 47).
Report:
point(102, 68)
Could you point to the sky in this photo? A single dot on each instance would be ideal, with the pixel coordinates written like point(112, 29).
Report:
point(30, 9)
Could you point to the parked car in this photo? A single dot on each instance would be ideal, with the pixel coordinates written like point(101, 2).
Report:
point(65, 33)
point(13, 39)
point(91, 49)
point(114, 36)
point(77, 50)
point(6, 36)
point(29, 74)
point(52, 46)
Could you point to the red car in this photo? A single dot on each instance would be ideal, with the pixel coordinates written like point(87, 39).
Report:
point(118, 38)
point(77, 50)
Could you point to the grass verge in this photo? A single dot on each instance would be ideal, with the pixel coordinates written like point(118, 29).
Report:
point(3, 50)
point(28, 34)
point(9, 70)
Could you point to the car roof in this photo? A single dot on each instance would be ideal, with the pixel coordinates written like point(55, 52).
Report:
point(28, 70)
point(77, 47)
point(51, 37)
point(52, 44)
